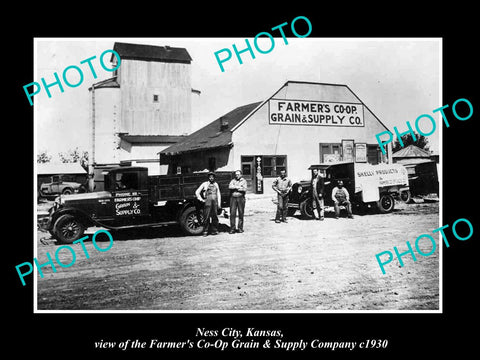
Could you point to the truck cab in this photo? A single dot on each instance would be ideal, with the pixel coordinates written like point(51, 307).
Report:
point(131, 198)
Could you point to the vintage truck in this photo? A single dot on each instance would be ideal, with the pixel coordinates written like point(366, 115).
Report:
point(132, 199)
point(368, 186)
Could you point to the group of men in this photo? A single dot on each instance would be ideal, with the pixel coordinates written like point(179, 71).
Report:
point(209, 193)
point(340, 196)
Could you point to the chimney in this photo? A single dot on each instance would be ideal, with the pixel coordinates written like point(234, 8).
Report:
point(223, 123)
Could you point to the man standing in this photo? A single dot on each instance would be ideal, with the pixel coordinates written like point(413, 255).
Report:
point(238, 188)
point(317, 194)
point(213, 201)
point(282, 186)
point(340, 197)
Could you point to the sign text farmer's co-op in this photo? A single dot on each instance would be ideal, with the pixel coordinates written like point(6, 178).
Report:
point(297, 112)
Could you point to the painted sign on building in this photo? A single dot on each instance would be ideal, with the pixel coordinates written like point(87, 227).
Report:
point(314, 113)
point(360, 152)
point(347, 149)
point(259, 176)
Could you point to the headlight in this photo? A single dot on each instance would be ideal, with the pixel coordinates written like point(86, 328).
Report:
point(299, 189)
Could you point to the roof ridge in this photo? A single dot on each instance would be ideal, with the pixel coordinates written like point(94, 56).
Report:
point(147, 52)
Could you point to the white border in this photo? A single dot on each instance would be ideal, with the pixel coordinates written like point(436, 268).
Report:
point(440, 176)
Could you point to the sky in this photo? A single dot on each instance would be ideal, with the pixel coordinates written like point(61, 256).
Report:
point(398, 79)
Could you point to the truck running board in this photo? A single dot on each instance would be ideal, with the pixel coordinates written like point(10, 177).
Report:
point(164, 223)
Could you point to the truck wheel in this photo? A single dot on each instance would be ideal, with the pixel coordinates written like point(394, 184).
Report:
point(67, 191)
point(67, 229)
point(306, 209)
point(386, 203)
point(406, 196)
point(190, 223)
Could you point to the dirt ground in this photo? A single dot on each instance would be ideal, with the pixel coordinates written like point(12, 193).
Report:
point(301, 265)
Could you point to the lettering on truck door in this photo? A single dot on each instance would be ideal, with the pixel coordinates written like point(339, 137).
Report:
point(129, 200)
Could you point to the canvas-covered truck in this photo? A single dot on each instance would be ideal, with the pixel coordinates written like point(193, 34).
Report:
point(368, 185)
point(133, 199)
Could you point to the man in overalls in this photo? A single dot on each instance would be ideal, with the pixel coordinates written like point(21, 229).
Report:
point(213, 200)
point(340, 197)
point(282, 186)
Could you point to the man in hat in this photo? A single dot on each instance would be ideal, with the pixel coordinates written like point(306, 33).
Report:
point(340, 197)
point(282, 186)
point(238, 188)
point(317, 194)
point(213, 201)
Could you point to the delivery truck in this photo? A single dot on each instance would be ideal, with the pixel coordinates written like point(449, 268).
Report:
point(133, 199)
point(368, 186)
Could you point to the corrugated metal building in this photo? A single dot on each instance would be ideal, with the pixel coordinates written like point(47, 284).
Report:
point(143, 109)
point(302, 123)
point(411, 154)
point(422, 167)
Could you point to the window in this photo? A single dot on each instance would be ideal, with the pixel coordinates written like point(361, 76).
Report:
point(330, 152)
point(155, 98)
point(247, 169)
point(247, 166)
point(411, 170)
point(280, 164)
point(272, 165)
point(268, 169)
point(126, 181)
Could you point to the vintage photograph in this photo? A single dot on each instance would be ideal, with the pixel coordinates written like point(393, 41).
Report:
point(164, 184)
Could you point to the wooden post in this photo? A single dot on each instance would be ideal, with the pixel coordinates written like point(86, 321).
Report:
point(91, 157)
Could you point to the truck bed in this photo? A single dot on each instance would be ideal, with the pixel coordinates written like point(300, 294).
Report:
point(183, 186)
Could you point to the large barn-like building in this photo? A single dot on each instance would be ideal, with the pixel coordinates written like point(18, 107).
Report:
point(300, 124)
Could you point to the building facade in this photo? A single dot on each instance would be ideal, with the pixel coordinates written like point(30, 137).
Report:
point(143, 109)
point(301, 124)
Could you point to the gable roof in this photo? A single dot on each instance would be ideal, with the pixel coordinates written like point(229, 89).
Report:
point(411, 151)
point(326, 91)
point(212, 135)
point(151, 53)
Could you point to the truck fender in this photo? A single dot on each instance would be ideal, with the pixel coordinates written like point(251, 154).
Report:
point(84, 218)
point(186, 205)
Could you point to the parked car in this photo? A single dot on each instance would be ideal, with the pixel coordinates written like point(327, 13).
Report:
point(368, 185)
point(133, 199)
point(59, 186)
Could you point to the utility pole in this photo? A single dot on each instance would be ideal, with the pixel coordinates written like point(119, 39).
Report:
point(91, 161)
